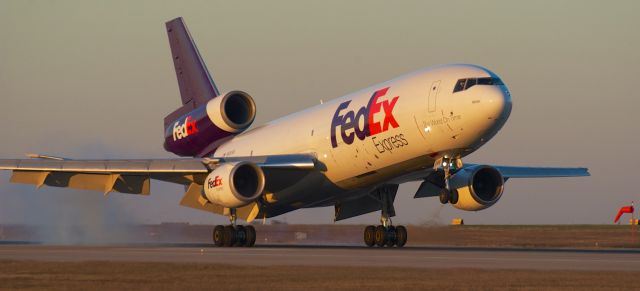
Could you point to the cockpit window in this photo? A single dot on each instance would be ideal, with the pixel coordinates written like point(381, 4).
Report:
point(489, 81)
point(464, 84)
point(460, 85)
point(470, 83)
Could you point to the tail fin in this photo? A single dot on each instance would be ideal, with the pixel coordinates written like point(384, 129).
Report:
point(195, 83)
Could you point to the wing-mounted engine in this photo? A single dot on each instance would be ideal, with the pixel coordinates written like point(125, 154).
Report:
point(476, 187)
point(234, 184)
point(202, 130)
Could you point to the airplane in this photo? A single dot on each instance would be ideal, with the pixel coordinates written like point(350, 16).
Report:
point(350, 153)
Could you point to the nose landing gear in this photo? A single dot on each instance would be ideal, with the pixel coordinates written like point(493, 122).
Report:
point(448, 195)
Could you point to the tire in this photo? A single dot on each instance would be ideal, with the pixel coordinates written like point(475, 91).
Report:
point(381, 236)
point(229, 236)
point(218, 235)
point(370, 235)
point(241, 236)
point(453, 197)
point(251, 236)
point(391, 236)
point(401, 236)
point(444, 196)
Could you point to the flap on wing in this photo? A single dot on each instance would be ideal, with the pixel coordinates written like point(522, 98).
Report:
point(35, 178)
point(193, 198)
point(541, 172)
point(131, 184)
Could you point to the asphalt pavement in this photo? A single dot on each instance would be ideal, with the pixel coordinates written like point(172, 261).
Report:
point(419, 257)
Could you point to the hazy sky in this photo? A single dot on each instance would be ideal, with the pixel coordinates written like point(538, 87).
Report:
point(86, 79)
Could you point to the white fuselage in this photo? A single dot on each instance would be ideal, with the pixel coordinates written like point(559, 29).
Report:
point(375, 143)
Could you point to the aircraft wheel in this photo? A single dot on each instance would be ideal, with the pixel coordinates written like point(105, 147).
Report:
point(391, 236)
point(250, 236)
point(241, 236)
point(229, 237)
point(370, 235)
point(401, 236)
point(453, 197)
point(218, 235)
point(381, 236)
point(444, 196)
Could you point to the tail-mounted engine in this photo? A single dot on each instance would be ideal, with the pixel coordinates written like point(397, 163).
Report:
point(476, 187)
point(201, 131)
point(234, 185)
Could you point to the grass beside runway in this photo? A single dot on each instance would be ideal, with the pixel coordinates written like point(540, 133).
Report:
point(22, 275)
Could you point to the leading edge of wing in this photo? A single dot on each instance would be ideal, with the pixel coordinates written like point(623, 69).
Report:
point(141, 166)
point(144, 166)
point(541, 172)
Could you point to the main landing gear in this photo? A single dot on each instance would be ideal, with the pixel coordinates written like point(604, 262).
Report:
point(234, 235)
point(385, 234)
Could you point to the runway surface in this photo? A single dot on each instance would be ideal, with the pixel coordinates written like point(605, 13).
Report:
point(421, 257)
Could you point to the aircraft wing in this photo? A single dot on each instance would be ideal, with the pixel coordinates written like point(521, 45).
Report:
point(132, 176)
point(541, 172)
point(433, 182)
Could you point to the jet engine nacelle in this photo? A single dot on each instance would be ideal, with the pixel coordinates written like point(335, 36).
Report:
point(232, 111)
point(234, 184)
point(477, 187)
point(200, 131)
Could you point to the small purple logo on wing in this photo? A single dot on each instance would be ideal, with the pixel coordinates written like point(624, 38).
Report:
point(350, 120)
point(184, 129)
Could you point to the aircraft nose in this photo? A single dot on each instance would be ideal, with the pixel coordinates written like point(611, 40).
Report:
point(492, 113)
point(498, 104)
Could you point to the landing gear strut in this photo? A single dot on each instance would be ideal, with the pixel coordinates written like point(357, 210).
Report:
point(234, 235)
point(386, 234)
point(447, 195)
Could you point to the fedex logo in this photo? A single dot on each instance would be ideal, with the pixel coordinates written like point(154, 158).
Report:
point(215, 182)
point(350, 120)
point(185, 129)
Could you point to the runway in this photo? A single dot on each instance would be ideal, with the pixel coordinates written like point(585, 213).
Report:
point(419, 257)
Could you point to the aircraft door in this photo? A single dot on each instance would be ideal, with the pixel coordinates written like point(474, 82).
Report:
point(424, 120)
point(433, 95)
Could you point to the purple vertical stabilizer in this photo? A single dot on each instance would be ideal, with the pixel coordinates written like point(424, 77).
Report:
point(206, 118)
point(195, 82)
